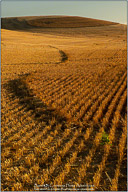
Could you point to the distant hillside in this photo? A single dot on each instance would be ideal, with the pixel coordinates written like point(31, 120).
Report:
point(51, 22)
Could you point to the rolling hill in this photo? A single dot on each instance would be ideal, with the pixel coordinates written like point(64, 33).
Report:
point(51, 22)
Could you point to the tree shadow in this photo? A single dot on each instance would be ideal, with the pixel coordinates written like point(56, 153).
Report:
point(41, 112)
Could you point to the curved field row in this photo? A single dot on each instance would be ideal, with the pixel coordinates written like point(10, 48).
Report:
point(64, 109)
point(122, 142)
point(22, 151)
point(115, 122)
point(83, 170)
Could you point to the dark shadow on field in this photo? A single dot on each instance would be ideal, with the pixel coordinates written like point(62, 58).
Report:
point(14, 24)
point(41, 112)
point(25, 23)
point(63, 55)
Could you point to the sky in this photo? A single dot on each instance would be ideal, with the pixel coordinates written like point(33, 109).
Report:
point(110, 10)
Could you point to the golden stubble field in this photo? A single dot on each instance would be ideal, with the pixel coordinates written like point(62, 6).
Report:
point(63, 106)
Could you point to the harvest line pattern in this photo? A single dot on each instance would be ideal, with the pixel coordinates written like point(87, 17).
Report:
point(61, 90)
point(27, 100)
point(63, 59)
point(71, 139)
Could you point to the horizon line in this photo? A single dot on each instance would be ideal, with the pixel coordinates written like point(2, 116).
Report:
point(60, 16)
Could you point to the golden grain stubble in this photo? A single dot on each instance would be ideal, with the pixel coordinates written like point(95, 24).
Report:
point(61, 89)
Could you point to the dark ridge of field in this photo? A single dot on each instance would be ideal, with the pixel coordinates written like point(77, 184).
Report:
point(21, 23)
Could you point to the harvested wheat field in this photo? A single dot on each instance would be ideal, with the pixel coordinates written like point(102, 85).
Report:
point(63, 103)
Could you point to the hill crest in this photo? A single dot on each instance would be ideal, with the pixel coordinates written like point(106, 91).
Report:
point(29, 22)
